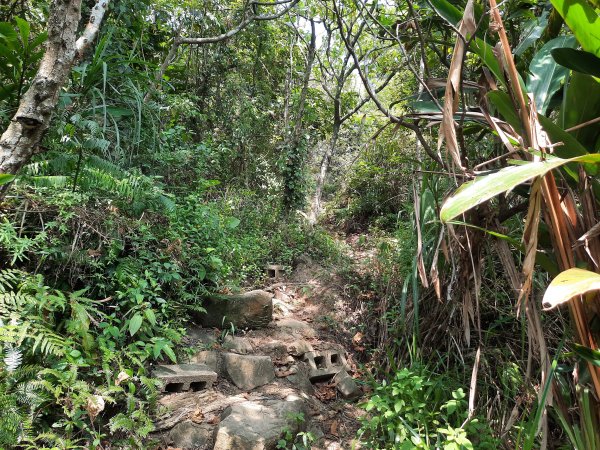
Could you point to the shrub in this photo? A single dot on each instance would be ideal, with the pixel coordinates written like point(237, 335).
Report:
point(417, 409)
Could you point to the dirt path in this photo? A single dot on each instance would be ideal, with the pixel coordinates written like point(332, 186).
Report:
point(311, 334)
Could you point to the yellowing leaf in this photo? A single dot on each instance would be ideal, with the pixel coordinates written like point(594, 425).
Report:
point(568, 284)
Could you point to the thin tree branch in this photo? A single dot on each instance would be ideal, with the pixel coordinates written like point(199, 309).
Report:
point(243, 24)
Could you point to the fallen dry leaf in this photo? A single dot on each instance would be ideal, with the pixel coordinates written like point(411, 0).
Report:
point(197, 416)
point(334, 428)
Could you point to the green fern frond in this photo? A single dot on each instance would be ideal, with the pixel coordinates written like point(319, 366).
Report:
point(12, 358)
point(10, 278)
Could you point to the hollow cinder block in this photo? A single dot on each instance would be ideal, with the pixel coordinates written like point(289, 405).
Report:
point(274, 271)
point(185, 377)
point(324, 365)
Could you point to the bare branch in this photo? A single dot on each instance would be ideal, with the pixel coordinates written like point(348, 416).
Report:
point(243, 24)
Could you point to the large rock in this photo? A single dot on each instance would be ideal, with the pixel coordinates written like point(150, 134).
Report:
point(248, 371)
point(252, 309)
point(191, 435)
point(258, 426)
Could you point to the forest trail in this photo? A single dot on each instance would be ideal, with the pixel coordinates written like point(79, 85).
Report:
point(268, 392)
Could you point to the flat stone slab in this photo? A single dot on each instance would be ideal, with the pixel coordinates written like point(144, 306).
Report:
point(258, 426)
point(296, 327)
point(325, 365)
point(248, 371)
point(185, 377)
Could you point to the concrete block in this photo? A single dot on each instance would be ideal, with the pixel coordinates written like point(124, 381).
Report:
point(185, 377)
point(274, 271)
point(325, 365)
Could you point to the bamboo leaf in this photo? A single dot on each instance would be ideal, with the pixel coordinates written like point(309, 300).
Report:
point(568, 284)
point(589, 354)
point(484, 50)
point(545, 75)
point(486, 187)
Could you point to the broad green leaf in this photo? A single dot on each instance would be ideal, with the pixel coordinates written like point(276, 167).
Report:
point(581, 104)
point(8, 55)
point(532, 32)
point(545, 75)
point(486, 187)
point(583, 21)
point(6, 178)
point(447, 10)
point(486, 52)
point(577, 60)
point(201, 272)
point(423, 106)
point(38, 40)
point(24, 30)
point(568, 284)
point(8, 34)
point(135, 323)
point(570, 147)
point(232, 222)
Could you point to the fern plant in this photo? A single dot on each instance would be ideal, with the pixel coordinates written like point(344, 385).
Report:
point(21, 391)
point(94, 173)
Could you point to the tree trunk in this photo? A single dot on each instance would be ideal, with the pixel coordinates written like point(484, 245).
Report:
point(295, 157)
point(324, 169)
point(32, 119)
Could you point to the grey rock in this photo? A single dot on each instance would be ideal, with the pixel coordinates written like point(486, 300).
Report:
point(185, 377)
point(252, 309)
point(209, 358)
point(237, 345)
point(191, 435)
point(205, 337)
point(296, 327)
point(258, 426)
point(346, 386)
point(299, 347)
point(248, 371)
point(300, 379)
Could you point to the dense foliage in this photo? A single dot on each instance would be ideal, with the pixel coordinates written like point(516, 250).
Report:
point(193, 143)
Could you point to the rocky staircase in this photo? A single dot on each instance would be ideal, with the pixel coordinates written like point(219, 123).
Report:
point(246, 393)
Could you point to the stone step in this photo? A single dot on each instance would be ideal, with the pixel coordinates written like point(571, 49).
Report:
point(185, 377)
